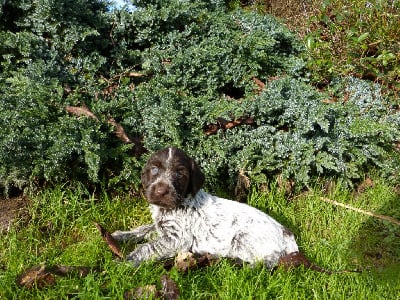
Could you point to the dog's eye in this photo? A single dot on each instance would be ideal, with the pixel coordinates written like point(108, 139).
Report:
point(154, 171)
point(179, 174)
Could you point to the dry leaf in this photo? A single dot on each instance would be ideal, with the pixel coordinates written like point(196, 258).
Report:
point(186, 261)
point(259, 83)
point(62, 270)
point(112, 244)
point(43, 276)
point(143, 292)
point(83, 110)
point(365, 185)
point(120, 131)
point(242, 186)
point(224, 124)
point(38, 276)
point(169, 289)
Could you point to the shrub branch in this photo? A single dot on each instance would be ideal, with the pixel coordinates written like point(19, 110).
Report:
point(119, 130)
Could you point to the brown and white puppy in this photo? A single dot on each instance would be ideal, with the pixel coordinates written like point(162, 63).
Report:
point(187, 219)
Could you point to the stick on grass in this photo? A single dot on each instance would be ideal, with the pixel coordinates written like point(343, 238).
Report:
point(365, 212)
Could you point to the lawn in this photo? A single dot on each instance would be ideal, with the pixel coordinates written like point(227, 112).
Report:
point(60, 230)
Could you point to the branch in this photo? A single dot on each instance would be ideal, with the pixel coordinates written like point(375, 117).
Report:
point(119, 131)
point(79, 111)
point(224, 124)
point(259, 83)
point(368, 213)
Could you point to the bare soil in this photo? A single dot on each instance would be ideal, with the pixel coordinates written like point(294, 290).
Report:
point(12, 210)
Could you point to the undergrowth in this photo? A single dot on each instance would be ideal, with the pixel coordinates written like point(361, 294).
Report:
point(344, 37)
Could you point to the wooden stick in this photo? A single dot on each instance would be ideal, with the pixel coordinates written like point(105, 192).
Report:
point(382, 217)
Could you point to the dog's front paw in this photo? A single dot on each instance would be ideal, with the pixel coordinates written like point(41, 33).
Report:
point(119, 235)
point(133, 259)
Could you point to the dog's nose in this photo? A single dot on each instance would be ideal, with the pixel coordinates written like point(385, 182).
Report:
point(161, 190)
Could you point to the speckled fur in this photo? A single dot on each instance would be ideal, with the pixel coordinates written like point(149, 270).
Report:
point(188, 219)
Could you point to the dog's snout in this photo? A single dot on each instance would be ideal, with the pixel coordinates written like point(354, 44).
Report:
point(161, 190)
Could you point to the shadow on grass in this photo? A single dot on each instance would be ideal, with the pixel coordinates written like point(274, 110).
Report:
point(376, 246)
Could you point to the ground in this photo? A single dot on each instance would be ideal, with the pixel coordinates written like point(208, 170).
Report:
point(12, 210)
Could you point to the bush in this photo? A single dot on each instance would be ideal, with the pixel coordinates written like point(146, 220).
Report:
point(84, 98)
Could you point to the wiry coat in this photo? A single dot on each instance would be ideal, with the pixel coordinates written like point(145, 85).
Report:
point(187, 219)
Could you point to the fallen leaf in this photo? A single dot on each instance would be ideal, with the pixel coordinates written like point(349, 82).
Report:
point(169, 288)
point(83, 110)
point(224, 124)
point(45, 276)
point(259, 83)
point(38, 276)
point(112, 244)
point(143, 292)
point(186, 261)
point(365, 185)
point(120, 131)
point(62, 270)
point(242, 186)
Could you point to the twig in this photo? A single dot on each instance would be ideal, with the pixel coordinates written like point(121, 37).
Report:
point(259, 83)
point(83, 110)
point(119, 131)
point(382, 217)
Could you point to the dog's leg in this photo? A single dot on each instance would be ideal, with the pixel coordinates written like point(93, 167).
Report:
point(168, 245)
point(157, 250)
point(137, 235)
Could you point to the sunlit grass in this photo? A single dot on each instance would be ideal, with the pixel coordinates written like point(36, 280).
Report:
point(61, 231)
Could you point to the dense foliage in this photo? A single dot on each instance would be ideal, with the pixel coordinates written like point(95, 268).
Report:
point(228, 87)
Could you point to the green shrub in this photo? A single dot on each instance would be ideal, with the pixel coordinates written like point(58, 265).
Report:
point(167, 72)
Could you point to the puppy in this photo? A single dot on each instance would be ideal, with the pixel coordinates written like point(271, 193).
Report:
point(187, 219)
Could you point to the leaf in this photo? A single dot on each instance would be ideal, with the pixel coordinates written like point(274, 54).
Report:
point(363, 37)
point(169, 291)
point(259, 83)
point(79, 111)
point(38, 276)
point(143, 292)
point(169, 288)
point(45, 276)
point(112, 244)
point(224, 124)
point(186, 261)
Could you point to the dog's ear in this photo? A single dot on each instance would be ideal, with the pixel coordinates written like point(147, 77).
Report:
point(196, 178)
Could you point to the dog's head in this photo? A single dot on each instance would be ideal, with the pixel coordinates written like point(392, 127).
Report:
point(169, 177)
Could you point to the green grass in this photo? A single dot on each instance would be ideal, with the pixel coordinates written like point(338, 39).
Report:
point(60, 230)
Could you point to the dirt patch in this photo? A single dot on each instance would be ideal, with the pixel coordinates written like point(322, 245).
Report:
point(12, 210)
